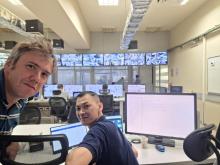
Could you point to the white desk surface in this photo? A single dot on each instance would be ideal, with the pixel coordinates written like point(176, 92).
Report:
point(172, 155)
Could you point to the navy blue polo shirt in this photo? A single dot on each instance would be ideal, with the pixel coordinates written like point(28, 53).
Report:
point(8, 117)
point(108, 145)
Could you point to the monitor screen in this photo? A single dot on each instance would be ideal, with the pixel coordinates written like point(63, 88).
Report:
point(170, 116)
point(48, 90)
point(92, 59)
point(116, 90)
point(93, 87)
point(114, 59)
point(117, 120)
point(134, 58)
point(73, 88)
point(69, 60)
point(156, 58)
point(176, 89)
point(75, 133)
point(136, 88)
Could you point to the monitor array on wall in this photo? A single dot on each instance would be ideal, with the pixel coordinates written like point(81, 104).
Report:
point(113, 59)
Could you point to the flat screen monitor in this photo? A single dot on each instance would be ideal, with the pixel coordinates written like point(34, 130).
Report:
point(75, 133)
point(93, 60)
point(161, 117)
point(48, 90)
point(70, 60)
point(176, 89)
point(114, 59)
point(134, 58)
point(117, 120)
point(116, 90)
point(73, 88)
point(136, 88)
point(93, 87)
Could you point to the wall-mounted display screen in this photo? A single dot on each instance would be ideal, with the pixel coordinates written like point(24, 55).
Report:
point(116, 90)
point(92, 59)
point(134, 58)
point(114, 59)
point(156, 58)
point(73, 88)
point(71, 60)
point(57, 56)
point(136, 88)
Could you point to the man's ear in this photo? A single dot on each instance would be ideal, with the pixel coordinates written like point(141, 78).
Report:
point(101, 106)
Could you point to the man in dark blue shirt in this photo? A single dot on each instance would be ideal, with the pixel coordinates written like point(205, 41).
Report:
point(24, 74)
point(104, 143)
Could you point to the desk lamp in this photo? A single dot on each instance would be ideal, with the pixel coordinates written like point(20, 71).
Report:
point(199, 145)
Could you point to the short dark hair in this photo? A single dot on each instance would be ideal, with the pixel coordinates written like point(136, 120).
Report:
point(60, 86)
point(91, 93)
point(105, 86)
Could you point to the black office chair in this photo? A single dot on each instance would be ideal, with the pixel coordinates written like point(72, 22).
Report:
point(56, 92)
point(107, 101)
point(30, 115)
point(59, 107)
point(198, 145)
point(72, 118)
point(7, 139)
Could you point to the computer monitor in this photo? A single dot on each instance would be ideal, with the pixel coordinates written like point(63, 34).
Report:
point(117, 120)
point(176, 89)
point(48, 90)
point(75, 133)
point(93, 87)
point(116, 90)
point(73, 88)
point(136, 88)
point(162, 115)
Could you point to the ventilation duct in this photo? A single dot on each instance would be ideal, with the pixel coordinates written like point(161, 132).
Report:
point(10, 21)
point(135, 16)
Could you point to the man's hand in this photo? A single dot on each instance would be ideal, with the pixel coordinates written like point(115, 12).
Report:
point(12, 150)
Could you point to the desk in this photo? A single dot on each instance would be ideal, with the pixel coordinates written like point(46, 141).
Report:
point(172, 155)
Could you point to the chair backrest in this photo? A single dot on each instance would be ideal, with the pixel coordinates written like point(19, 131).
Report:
point(72, 118)
point(58, 106)
point(30, 115)
point(56, 92)
point(107, 101)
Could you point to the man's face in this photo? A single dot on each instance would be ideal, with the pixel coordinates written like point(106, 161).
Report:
point(27, 76)
point(88, 109)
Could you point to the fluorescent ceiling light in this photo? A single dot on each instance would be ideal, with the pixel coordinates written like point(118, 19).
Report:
point(15, 2)
point(183, 2)
point(108, 2)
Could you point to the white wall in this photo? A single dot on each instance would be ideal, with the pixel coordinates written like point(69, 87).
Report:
point(188, 65)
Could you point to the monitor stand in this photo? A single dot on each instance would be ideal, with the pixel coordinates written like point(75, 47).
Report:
point(162, 141)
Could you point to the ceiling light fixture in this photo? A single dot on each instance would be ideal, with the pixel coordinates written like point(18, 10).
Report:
point(108, 2)
point(135, 16)
point(183, 2)
point(15, 2)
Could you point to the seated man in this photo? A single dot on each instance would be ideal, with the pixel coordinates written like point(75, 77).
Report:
point(62, 93)
point(104, 90)
point(104, 143)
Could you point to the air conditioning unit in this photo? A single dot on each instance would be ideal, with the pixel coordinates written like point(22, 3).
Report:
point(34, 26)
point(58, 43)
point(10, 44)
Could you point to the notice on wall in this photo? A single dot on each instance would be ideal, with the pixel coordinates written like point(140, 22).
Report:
point(214, 75)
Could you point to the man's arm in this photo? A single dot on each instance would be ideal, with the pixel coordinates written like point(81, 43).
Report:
point(134, 150)
point(12, 150)
point(79, 156)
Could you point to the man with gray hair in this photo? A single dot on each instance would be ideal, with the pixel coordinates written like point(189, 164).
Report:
point(23, 75)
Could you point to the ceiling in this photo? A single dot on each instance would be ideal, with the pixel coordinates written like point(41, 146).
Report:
point(73, 20)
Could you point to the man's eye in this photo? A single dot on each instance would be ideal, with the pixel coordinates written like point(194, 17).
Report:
point(45, 75)
point(86, 106)
point(30, 66)
point(77, 109)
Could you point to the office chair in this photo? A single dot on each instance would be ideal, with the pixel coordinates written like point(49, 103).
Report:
point(59, 107)
point(7, 139)
point(56, 92)
point(107, 101)
point(198, 145)
point(30, 115)
point(72, 118)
